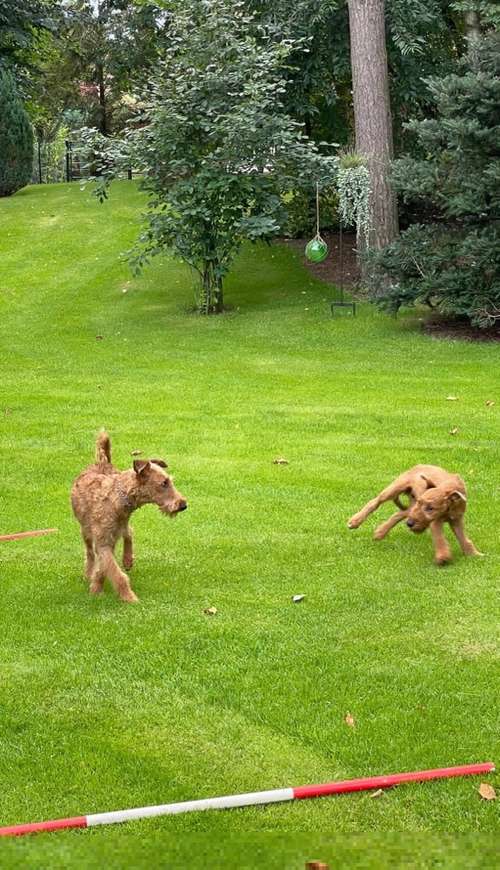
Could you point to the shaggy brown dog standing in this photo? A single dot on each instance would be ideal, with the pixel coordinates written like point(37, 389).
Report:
point(436, 497)
point(103, 500)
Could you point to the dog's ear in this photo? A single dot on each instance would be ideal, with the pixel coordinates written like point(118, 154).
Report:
point(430, 483)
point(141, 466)
point(457, 496)
point(160, 462)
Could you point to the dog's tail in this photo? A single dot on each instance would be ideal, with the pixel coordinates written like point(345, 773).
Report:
point(103, 448)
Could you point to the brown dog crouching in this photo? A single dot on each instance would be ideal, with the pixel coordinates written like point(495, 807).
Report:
point(436, 496)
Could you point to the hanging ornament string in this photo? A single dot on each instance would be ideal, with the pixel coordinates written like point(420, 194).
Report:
point(317, 249)
point(317, 211)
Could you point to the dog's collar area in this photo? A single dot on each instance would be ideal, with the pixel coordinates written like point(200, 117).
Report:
point(126, 500)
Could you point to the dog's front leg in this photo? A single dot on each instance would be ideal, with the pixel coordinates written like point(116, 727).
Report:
point(390, 493)
point(468, 548)
point(389, 524)
point(128, 549)
point(441, 546)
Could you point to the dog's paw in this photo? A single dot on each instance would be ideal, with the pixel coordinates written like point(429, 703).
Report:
point(378, 534)
point(354, 522)
point(95, 588)
point(129, 597)
point(128, 564)
point(445, 559)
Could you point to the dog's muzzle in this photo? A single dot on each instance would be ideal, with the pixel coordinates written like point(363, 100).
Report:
point(417, 530)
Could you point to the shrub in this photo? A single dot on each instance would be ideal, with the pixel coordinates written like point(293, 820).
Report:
point(16, 138)
point(452, 260)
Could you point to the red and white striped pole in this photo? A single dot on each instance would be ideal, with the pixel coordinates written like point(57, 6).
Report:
point(245, 800)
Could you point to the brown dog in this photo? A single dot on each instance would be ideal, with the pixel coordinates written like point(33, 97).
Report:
point(103, 500)
point(435, 497)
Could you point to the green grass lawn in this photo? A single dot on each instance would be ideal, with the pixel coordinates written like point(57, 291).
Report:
point(106, 706)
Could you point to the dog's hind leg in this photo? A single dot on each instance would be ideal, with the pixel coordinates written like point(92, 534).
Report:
point(390, 493)
point(118, 578)
point(97, 576)
point(389, 524)
point(468, 548)
point(128, 549)
point(89, 555)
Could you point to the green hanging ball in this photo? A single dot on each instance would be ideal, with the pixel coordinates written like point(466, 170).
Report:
point(316, 250)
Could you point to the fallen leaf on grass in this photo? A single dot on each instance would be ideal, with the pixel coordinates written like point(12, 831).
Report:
point(452, 398)
point(136, 452)
point(280, 461)
point(99, 337)
point(210, 611)
point(454, 431)
point(377, 793)
point(349, 720)
point(489, 403)
point(487, 792)
point(297, 598)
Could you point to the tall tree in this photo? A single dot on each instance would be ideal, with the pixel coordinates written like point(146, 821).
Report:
point(106, 45)
point(372, 112)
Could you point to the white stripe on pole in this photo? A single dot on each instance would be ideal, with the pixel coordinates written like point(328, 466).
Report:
point(215, 803)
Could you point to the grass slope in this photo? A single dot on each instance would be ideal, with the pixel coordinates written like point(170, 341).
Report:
point(106, 706)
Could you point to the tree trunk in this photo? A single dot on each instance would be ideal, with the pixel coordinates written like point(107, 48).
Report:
point(103, 125)
point(372, 112)
point(212, 293)
point(472, 26)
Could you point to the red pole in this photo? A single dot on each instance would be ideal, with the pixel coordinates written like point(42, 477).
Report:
point(349, 785)
point(16, 536)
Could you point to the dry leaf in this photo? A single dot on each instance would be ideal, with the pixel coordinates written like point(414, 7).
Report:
point(297, 598)
point(487, 792)
point(136, 453)
point(280, 461)
point(489, 403)
point(99, 337)
point(454, 431)
point(210, 611)
point(377, 793)
point(452, 398)
point(349, 720)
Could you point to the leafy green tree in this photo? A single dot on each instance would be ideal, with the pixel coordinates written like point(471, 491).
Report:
point(214, 143)
point(451, 259)
point(105, 46)
point(16, 138)
point(479, 15)
point(20, 24)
